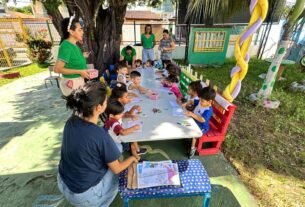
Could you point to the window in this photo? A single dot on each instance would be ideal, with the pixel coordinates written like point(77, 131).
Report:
point(209, 41)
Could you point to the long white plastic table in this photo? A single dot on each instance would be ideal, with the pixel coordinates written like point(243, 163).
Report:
point(159, 126)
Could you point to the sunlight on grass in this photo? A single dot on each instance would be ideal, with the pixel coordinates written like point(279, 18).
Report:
point(270, 139)
point(24, 71)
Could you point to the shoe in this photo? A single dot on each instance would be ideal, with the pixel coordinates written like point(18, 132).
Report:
point(142, 151)
point(192, 153)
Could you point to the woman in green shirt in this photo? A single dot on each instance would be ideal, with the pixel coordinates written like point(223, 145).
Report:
point(148, 42)
point(128, 54)
point(71, 62)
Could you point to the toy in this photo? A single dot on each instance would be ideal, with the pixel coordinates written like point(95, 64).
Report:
point(93, 73)
point(153, 95)
point(156, 110)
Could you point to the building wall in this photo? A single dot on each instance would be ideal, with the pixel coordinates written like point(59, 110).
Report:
point(128, 36)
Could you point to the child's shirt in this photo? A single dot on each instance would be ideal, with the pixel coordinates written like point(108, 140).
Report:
point(122, 77)
point(114, 128)
point(164, 72)
point(176, 91)
point(188, 97)
point(204, 112)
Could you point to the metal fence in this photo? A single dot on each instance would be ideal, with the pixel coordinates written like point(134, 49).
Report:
point(13, 34)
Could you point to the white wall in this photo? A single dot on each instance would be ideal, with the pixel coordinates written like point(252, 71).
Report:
point(270, 49)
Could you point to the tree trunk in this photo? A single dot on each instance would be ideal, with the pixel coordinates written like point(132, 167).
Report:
point(269, 81)
point(102, 30)
point(56, 19)
point(108, 35)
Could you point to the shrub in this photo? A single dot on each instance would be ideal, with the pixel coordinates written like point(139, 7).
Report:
point(39, 50)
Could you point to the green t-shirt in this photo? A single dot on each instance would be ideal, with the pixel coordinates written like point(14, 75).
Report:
point(73, 58)
point(127, 57)
point(148, 43)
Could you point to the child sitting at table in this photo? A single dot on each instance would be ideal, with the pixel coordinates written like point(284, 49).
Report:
point(171, 81)
point(122, 71)
point(135, 83)
point(192, 93)
point(115, 112)
point(202, 113)
point(120, 93)
point(138, 63)
point(149, 64)
point(163, 72)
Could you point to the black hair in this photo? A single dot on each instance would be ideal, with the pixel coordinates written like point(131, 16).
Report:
point(207, 93)
point(118, 91)
point(83, 100)
point(172, 70)
point(121, 64)
point(138, 61)
point(64, 27)
point(114, 107)
point(172, 78)
point(128, 47)
point(166, 31)
point(150, 61)
point(134, 74)
point(167, 62)
point(195, 86)
point(148, 25)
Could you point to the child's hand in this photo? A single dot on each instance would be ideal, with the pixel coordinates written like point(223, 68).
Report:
point(188, 113)
point(183, 105)
point(135, 118)
point(138, 108)
point(136, 127)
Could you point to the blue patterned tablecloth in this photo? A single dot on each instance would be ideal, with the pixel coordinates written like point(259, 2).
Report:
point(193, 176)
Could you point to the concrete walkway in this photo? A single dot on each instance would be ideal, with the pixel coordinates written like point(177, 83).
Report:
point(31, 124)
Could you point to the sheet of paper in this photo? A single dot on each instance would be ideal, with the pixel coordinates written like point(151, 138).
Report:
point(178, 112)
point(158, 176)
point(136, 100)
point(174, 104)
point(164, 90)
point(131, 123)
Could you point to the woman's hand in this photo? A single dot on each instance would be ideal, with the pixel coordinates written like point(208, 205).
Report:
point(135, 159)
point(84, 74)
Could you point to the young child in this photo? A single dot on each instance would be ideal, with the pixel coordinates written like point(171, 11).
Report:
point(138, 63)
point(113, 125)
point(171, 81)
point(202, 113)
point(192, 92)
point(121, 94)
point(135, 83)
point(163, 71)
point(149, 64)
point(122, 71)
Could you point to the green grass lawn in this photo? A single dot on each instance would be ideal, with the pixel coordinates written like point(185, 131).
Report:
point(266, 145)
point(24, 71)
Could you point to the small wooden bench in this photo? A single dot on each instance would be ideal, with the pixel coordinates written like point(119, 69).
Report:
point(194, 182)
point(223, 110)
point(210, 142)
